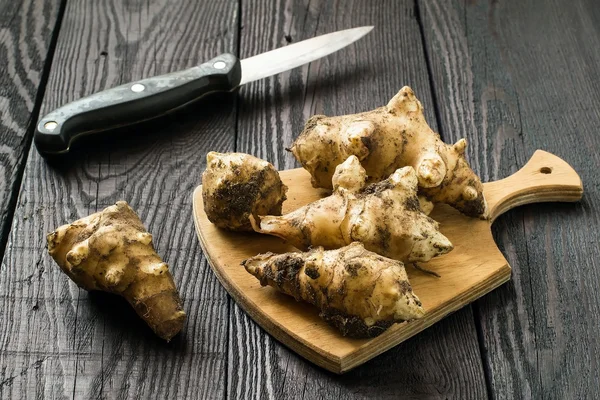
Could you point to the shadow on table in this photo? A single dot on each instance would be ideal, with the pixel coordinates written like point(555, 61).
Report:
point(425, 366)
point(121, 323)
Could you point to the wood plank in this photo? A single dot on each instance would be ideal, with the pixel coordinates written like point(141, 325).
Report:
point(26, 31)
point(60, 341)
point(512, 77)
point(442, 362)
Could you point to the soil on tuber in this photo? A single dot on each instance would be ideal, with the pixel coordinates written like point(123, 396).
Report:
point(385, 216)
point(236, 186)
point(386, 139)
point(357, 291)
point(111, 251)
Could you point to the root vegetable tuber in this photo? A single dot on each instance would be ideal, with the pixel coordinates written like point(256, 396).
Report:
point(111, 251)
point(386, 217)
point(358, 292)
point(388, 138)
point(237, 185)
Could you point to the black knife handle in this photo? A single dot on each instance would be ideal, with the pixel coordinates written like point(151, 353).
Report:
point(134, 102)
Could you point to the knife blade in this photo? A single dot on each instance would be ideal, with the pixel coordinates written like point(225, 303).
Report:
point(149, 98)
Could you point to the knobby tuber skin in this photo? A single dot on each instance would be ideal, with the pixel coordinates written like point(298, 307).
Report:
point(111, 251)
point(386, 139)
point(237, 185)
point(385, 216)
point(358, 292)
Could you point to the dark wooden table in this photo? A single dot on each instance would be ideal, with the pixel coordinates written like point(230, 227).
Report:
point(510, 76)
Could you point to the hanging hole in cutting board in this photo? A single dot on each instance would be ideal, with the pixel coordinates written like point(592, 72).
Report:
point(546, 170)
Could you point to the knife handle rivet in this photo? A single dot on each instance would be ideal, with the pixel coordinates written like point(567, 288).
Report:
point(50, 125)
point(137, 87)
point(219, 65)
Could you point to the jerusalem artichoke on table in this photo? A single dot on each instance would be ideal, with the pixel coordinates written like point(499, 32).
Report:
point(385, 216)
point(237, 185)
point(111, 251)
point(386, 139)
point(357, 291)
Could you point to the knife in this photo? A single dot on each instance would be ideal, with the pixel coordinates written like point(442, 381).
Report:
point(152, 97)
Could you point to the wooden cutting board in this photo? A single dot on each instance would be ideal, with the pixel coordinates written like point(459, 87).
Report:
point(472, 269)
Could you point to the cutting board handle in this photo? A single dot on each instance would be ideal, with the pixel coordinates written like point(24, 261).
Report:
point(545, 177)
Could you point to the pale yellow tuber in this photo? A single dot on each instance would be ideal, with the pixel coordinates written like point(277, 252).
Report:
point(386, 139)
point(237, 185)
point(385, 216)
point(357, 291)
point(111, 251)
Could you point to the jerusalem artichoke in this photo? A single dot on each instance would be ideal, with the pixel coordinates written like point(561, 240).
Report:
point(237, 185)
point(358, 292)
point(386, 217)
point(388, 138)
point(111, 251)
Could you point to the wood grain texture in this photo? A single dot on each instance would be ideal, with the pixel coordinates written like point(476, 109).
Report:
point(26, 29)
point(510, 76)
point(57, 340)
point(474, 268)
point(443, 363)
point(514, 76)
